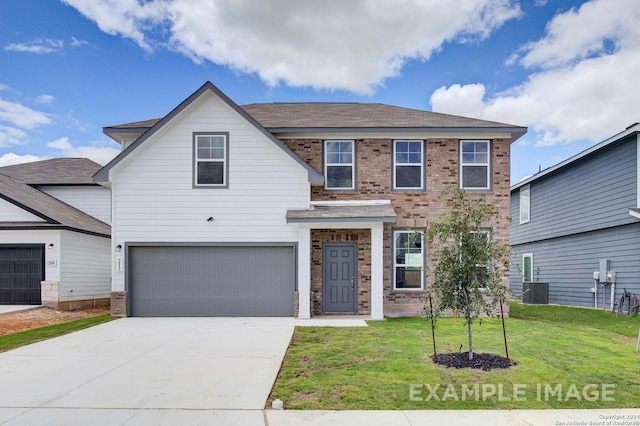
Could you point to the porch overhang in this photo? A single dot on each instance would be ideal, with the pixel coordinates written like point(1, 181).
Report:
point(352, 214)
point(323, 215)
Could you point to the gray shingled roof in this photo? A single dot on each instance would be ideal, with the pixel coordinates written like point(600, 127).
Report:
point(15, 187)
point(342, 213)
point(57, 171)
point(329, 115)
point(357, 115)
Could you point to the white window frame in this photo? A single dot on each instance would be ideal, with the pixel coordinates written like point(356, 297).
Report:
point(396, 165)
point(525, 192)
point(487, 164)
point(529, 255)
point(486, 231)
point(396, 265)
point(224, 160)
point(352, 165)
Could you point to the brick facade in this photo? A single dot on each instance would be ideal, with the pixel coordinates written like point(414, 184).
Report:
point(413, 209)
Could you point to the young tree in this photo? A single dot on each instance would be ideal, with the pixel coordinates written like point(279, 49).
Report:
point(469, 264)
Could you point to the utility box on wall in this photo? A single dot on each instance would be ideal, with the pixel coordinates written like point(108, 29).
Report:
point(535, 293)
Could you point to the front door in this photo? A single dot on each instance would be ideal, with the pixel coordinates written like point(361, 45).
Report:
point(339, 277)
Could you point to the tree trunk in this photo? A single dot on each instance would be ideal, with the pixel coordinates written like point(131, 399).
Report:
point(470, 340)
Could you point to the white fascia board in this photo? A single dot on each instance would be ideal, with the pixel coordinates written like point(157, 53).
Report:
point(350, 203)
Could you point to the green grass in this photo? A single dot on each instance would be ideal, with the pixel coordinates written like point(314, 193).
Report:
point(22, 338)
point(554, 347)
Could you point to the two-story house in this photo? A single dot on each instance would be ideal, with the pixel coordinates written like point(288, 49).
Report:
point(579, 217)
point(289, 209)
point(54, 235)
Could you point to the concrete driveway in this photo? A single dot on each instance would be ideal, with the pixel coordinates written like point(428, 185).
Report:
point(136, 364)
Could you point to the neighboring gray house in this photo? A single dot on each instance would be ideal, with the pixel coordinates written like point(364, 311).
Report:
point(569, 218)
point(54, 234)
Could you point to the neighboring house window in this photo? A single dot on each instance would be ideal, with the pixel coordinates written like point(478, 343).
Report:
point(339, 164)
point(483, 270)
point(475, 165)
point(525, 204)
point(527, 267)
point(408, 158)
point(211, 159)
point(408, 260)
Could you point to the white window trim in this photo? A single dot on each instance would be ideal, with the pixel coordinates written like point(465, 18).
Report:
point(224, 161)
point(488, 164)
point(525, 189)
point(395, 265)
point(530, 255)
point(352, 165)
point(395, 165)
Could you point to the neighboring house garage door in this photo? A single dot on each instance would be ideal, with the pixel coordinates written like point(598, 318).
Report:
point(211, 280)
point(21, 271)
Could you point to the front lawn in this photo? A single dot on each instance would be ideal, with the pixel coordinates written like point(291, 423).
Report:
point(22, 338)
point(566, 358)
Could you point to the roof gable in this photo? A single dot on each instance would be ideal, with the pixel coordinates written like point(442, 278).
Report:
point(54, 212)
point(103, 175)
point(634, 129)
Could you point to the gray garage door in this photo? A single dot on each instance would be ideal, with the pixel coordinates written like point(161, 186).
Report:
point(211, 281)
point(21, 271)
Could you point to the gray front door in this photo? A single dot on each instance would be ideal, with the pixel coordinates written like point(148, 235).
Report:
point(339, 277)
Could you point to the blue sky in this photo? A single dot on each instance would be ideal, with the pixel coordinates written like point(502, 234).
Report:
point(566, 69)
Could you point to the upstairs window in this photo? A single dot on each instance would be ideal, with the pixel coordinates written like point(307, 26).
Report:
point(339, 165)
point(475, 165)
point(408, 260)
point(211, 160)
point(408, 160)
point(525, 204)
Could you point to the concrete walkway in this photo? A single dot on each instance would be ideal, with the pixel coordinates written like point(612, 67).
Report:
point(9, 309)
point(143, 364)
point(170, 417)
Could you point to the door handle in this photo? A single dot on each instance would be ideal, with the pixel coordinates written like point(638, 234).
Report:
point(351, 282)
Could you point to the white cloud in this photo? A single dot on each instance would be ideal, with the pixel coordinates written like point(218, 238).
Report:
point(11, 136)
point(99, 152)
point(39, 46)
point(77, 43)
point(331, 44)
point(585, 86)
point(11, 158)
point(22, 116)
point(44, 99)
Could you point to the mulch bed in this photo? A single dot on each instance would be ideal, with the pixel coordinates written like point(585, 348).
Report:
point(480, 361)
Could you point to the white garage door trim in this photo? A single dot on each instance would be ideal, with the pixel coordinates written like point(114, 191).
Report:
point(270, 293)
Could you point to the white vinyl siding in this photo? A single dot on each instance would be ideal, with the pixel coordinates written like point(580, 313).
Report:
point(154, 199)
point(525, 204)
point(408, 260)
point(9, 212)
point(408, 161)
point(85, 267)
point(339, 165)
point(475, 164)
point(44, 237)
point(93, 200)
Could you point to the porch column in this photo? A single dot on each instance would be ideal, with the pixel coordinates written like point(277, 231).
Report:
point(377, 269)
point(304, 272)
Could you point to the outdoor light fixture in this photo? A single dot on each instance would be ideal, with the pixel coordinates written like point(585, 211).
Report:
point(210, 219)
point(119, 248)
point(50, 246)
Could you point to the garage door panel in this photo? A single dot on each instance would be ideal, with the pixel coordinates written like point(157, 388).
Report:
point(212, 281)
point(21, 272)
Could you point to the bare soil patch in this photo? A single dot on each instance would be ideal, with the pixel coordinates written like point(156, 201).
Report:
point(480, 361)
point(26, 320)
